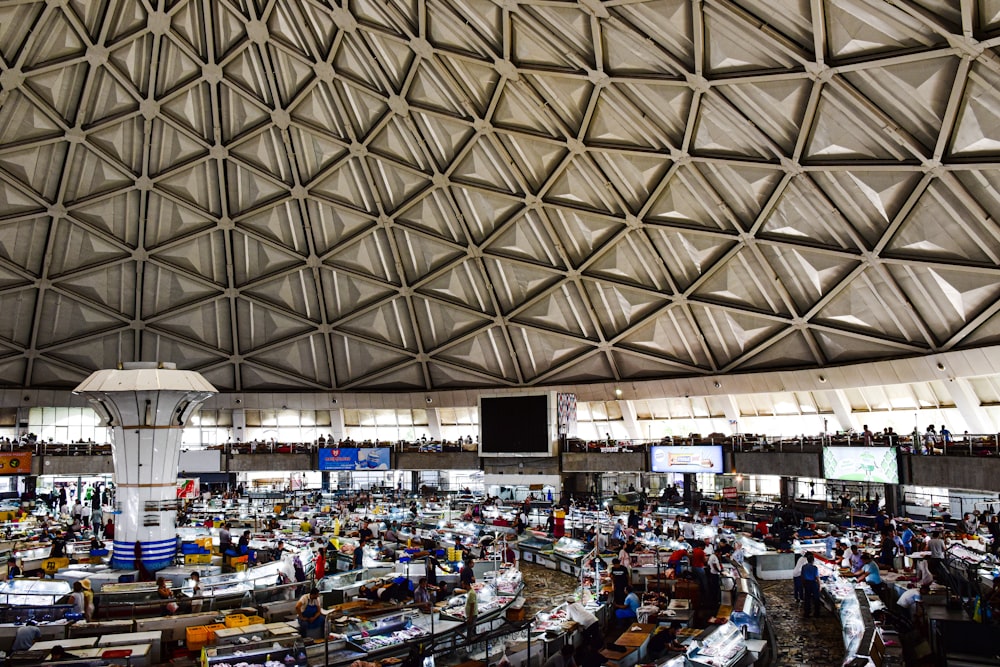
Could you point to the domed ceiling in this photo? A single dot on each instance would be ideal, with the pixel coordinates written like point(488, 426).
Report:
point(424, 194)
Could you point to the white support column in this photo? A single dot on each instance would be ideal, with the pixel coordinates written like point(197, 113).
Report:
point(970, 407)
point(631, 420)
point(146, 405)
point(239, 424)
point(732, 411)
point(434, 423)
point(337, 428)
point(842, 410)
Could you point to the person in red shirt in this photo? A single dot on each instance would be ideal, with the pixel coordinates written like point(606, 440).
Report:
point(676, 560)
point(698, 559)
point(320, 564)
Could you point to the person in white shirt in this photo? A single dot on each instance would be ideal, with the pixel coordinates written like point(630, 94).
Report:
point(714, 578)
point(910, 597)
point(738, 554)
point(799, 592)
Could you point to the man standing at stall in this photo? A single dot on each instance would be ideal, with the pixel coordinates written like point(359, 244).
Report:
point(810, 586)
point(309, 610)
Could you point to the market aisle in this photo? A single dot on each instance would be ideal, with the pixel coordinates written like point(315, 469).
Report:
point(801, 642)
point(544, 588)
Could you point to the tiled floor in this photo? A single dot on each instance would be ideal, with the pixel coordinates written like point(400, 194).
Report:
point(802, 642)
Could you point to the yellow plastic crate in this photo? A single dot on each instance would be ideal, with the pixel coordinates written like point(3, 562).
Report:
point(196, 637)
point(237, 621)
point(212, 629)
point(197, 559)
point(254, 620)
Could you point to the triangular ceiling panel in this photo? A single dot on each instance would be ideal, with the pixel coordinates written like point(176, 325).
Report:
point(688, 254)
point(862, 27)
point(792, 351)
point(448, 376)
point(57, 307)
point(343, 293)
point(946, 299)
point(78, 247)
point(354, 359)
point(306, 357)
point(636, 367)
point(671, 335)
point(332, 226)
point(165, 347)
point(841, 349)
point(563, 309)
point(517, 282)
point(619, 307)
point(199, 256)
point(845, 131)
point(806, 275)
point(295, 291)
point(209, 322)
point(259, 325)
point(111, 286)
point(870, 304)
point(579, 233)
point(730, 334)
point(484, 211)
point(870, 200)
point(51, 374)
point(803, 214)
point(32, 166)
point(977, 130)
point(370, 255)
point(589, 369)
point(581, 185)
point(526, 238)
point(736, 44)
point(970, 238)
point(438, 322)
point(632, 260)
point(464, 284)
point(776, 107)
point(487, 352)
point(22, 242)
point(434, 213)
point(724, 131)
point(743, 281)
point(538, 353)
point(173, 290)
point(422, 255)
point(387, 323)
point(689, 200)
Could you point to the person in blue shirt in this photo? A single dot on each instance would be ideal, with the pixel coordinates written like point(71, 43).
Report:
point(907, 539)
point(830, 543)
point(869, 572)
point(810, 586)
point(629, 606)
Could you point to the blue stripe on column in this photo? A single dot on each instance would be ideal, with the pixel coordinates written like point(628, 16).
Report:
point(156, 554)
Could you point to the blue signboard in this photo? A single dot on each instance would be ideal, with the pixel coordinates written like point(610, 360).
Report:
point(354, 459)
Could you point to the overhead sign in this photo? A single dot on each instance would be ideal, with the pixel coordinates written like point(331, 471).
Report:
point(684, 458)
point(861, 464)
point(15, 463)
point(188, 488)
point(354, 459)
point(730, 492)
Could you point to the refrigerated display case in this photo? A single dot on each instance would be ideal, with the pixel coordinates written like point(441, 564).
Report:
point(384, 633)
point(720, 646)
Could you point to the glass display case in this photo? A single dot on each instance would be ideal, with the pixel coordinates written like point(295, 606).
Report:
point(490, 602)
point(33, 592)
point(344, 586)
point(384, 633)
point(719, 646)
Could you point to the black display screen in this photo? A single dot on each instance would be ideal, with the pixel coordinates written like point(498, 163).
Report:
point(514, 425)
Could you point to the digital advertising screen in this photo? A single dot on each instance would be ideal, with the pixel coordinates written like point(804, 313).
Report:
point(861, 464)
point(514, 425)
point(676, 458)
point(354, 459)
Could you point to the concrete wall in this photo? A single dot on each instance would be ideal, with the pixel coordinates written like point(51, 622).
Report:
point(786, 464)
point(72, 465)
point(267, 462)
point(953, 472)
point(436, 461)
point(511, 465)
point(609, 462)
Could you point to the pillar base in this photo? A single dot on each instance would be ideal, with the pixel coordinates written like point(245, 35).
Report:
point(155, 555)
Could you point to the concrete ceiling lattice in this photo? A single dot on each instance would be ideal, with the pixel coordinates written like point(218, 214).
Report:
point(432, 194)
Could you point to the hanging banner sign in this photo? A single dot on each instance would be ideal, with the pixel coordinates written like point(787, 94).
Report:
point(354, 459)
point(15, 463)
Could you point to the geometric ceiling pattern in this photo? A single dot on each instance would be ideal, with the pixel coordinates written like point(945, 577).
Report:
point(429, 194)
